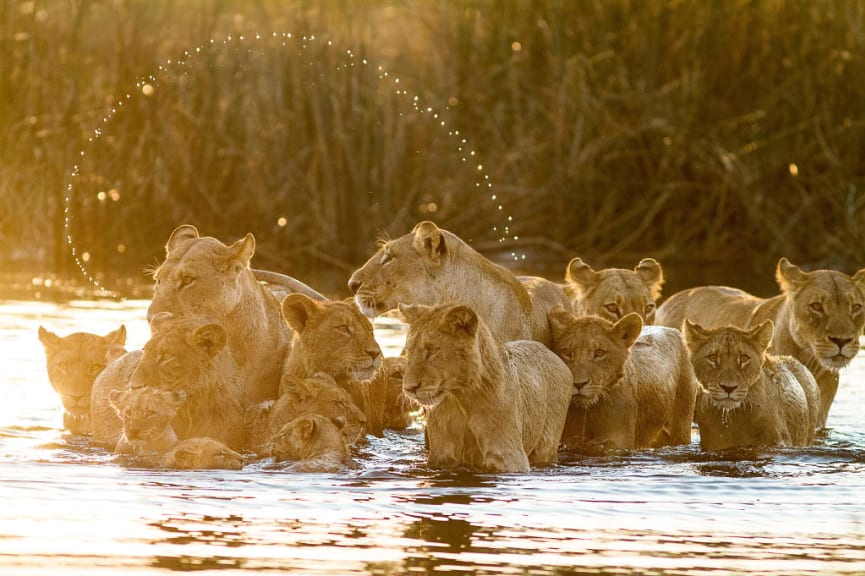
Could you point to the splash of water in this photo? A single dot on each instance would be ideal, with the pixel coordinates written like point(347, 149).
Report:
point(147, 86)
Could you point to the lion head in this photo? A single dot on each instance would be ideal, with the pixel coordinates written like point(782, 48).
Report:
point(203, 454)
point(331, 337)
point(310, 437)
point(73, 363)
point(202, 276)
point(594, 349)
point(444, 352)
point(146, 413)
point(615, 292)
point(320, 394)
point(827, 312)
point(728, 361)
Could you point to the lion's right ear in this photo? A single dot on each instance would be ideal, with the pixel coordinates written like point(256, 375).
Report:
point(181, 235)
point(695, 335)
point(297, 309)
point(49, 339)
point(429, 240)
point(117, 337)
point(651, 275)
point(580, 275)
point(460, 320)
point(306, 427)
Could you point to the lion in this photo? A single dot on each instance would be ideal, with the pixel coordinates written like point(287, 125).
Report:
point(613, 293)
point(189, 354)
point(73, 362)
point(391, 408)
point(432, 266)
point(202, 454)
point(314, 443)
point(748, 397)
point(490, 406)
point(335, 338)
point(818, 318)
point(202, 277)
point(145, 417)
point(317, 394)
point(632, 387)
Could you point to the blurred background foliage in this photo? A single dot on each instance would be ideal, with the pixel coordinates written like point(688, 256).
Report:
point(715, 136)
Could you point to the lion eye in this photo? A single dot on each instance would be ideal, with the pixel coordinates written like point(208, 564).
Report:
point(63, 367)
point(744, 359)
point(816, 307)
point(344, 330)
point(856, 308)
point(712, 359)
point(431, 352)
point(185, 281)
point(612, 309)
point(386, 257)
point(164, 358)
point(95, 368)
point(649, 308)
point(600, 353)
point(566, 354)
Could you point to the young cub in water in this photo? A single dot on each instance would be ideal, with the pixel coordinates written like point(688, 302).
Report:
point(314, 443)
point(748, 397)
point(73, 363)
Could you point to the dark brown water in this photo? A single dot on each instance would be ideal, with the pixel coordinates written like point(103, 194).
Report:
point(68, 508)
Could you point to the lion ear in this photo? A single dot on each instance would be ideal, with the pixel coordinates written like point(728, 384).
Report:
point(460, 320)
point(184, 456)
point(177, 397)
point(117, 398)
point(789, 276)
point(49, 339)
point(241, 252)
point(429, 240)
point(412, 312)
point(181, 235)
point(297, 309)
point(695, 335)
point(859, 279)
point(306, 427)
point(117, 337)
point(628, 328)
point(763, 335)
point(159, 321)
point(559, 319)
point(651, 275)
point(580, 275)
point(211, 338)
point(339, 421)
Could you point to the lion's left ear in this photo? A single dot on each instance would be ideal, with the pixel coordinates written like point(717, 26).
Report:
point(411, 312)
point(789, 276)
point(460, 320)
point(763, 335)
point(628, 328)
point(559, 320)
point(429, 240)
point(859, 279)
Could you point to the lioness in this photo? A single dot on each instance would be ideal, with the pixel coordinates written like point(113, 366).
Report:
point(314, 443)
point(627, 393)
point(432, 266)
point(613, 293)
point(182, 354)
point(748, 397)
point(204, 278)
point(73, 362)
point(317, 394)
point(335, 338)
point(202, 454)
point(818, 319)
point(491, 406)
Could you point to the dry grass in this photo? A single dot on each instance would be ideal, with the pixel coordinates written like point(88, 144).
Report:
point(611, 129)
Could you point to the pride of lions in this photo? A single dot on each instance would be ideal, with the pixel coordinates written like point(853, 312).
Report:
point(508, 371)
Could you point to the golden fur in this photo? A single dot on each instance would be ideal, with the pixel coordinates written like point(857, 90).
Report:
point(314, 443)
point(204, 278)
point(335, 338)
point(431, 266)
point(202, 454)
point(613, 293)
point(627, 392)
point(145, 418)
point(818, 319)
point(490, 406)
point(317, 394)
point(186, 354)
point(390, 407)
point(73, 362)
point(748, 397)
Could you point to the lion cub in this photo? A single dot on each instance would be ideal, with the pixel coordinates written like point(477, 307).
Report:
point(491, 406)
point(73, 363)
point(626, 393)
point(314, 443)
point(748, 397)
point(391, 407)
point(202, 454)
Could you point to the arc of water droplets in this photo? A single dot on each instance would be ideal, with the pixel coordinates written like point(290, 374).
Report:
point(147, 84)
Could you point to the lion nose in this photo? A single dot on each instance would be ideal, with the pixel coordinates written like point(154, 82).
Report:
point(373, 353)
point(579, 385)
point(410, 385)
point(840, 342)
point(727, 388)
point(354, 285)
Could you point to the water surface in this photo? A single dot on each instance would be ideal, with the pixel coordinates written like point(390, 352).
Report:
point(69, 508)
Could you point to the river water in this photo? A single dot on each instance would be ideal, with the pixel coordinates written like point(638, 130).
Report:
point(69, 508)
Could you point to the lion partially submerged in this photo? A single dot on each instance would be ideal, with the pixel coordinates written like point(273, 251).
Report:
point(73, 363)
point(490, 406)
point(818, 318)
point(202, 277)
point(613, 293)
point(748, 397)
point(627, 392)
point(431, 266)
